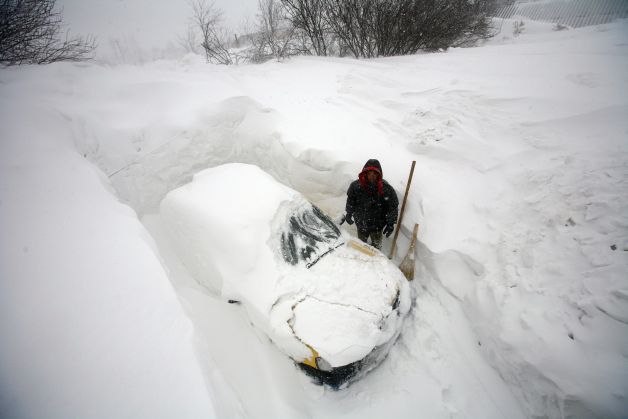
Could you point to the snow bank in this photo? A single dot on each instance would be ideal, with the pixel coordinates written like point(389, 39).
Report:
point(90, 325)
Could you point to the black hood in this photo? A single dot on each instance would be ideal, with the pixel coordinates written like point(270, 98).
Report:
point(373, 163)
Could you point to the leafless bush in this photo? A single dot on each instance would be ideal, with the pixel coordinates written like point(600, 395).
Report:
point(206, 19)
point(362, 28)
point(190, 42)
point(31, 32)
point(274, 35)
point(371, 28)
point(518, 27)
point(352, 22)
point(308, 17)
point(458, 23)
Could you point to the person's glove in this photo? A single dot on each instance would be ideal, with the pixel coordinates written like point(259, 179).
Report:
point(389, 229)
point(348, 218)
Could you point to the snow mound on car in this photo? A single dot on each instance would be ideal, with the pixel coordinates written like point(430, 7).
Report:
point(219, 224)
point(346, 305)
point(337, 299)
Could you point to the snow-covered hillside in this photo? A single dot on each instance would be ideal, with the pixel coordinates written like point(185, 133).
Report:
point(521, 295)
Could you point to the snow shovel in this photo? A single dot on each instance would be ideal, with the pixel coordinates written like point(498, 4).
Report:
point(407, 264)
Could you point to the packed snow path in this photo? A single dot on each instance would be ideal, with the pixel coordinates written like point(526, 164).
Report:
point(521, 305)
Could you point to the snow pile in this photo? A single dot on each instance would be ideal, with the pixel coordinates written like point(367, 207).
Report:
point(219, 222)
point(90, 324)
point(345, 308)
point(520, 191)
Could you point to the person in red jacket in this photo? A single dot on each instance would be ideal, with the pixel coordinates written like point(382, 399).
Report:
point(372, 204)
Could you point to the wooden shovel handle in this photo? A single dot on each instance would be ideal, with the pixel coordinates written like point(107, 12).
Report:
point(414, 234)
point(403, 207)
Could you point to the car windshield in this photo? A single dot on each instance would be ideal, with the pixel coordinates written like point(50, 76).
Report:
point(307, 235)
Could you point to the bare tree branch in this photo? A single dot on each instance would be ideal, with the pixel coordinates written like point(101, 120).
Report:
point(206, 18)
point(190, 42)
point(275, 34)
point(31, 33)
point(308, 16)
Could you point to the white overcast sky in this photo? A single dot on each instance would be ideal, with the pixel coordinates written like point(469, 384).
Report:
point(149, 22)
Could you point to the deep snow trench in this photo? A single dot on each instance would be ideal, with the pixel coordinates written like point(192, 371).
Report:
point(238, 129)
point(240, 359)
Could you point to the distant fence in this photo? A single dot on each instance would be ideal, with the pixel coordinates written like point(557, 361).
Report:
point(574, 13)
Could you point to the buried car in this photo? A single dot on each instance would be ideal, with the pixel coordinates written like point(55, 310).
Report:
point(330, 302)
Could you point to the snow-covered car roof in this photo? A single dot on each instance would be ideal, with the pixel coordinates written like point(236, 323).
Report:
point(308, 285)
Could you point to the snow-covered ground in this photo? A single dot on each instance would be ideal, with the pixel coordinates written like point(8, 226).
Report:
point(520, 188)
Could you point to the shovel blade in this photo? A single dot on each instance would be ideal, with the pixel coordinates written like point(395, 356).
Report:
point(407, 264)
point(407, 267)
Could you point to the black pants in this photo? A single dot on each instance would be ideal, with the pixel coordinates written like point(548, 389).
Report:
point(376, 237)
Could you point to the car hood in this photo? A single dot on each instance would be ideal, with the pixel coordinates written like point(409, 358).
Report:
point(344, 306)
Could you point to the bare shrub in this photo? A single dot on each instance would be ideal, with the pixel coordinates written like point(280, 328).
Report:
point(457, 23)
point(518, 27)
point(207, 19)
point(308, 17)
point(371, 28)
point(274, 35)
point(351, 20)
point(31, 32)
point(362, 28)
point(190, 41)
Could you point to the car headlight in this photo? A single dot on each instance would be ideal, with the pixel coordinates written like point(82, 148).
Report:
point(323, 365)
point(316, 361)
